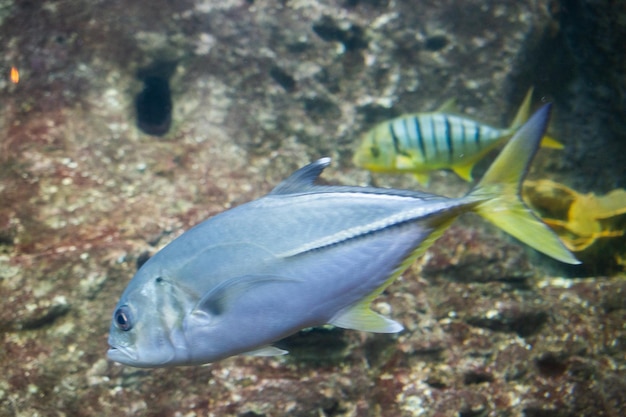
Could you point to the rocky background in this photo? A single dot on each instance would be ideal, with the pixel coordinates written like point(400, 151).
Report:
point(133, 120)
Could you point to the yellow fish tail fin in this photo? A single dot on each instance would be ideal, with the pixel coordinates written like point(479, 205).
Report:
point(523, 112)
point(498, 196)
point(550, 142)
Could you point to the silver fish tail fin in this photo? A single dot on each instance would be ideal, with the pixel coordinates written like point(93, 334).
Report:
point(498, 192)
point(522, 116)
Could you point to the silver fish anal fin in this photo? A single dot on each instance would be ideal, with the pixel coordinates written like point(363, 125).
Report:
point(302, 179)
point(360, 317)
point(266, 351)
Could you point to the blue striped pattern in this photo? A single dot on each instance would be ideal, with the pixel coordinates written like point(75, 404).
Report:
point(435, 138)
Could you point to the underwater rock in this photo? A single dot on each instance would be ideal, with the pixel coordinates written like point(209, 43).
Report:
point(41, 312)
point(350, 35)
point(475, 255)
point(510, 317)
point(285, 80)
point(83, 194)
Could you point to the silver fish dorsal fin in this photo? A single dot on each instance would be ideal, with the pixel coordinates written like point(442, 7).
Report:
point(303, 179)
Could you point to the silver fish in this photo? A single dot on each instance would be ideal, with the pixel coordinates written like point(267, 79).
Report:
point(302, 256)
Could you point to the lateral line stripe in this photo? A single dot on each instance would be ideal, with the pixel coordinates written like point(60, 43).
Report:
point(394, 220)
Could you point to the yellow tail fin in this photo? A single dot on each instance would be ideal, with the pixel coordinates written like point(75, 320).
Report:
point(499, 189)
point(523, 112)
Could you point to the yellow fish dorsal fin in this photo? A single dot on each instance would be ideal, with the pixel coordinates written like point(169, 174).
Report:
point(523, 112)
point(360, 317)
point(449, 106)
point(550, 142)
point(464, 171)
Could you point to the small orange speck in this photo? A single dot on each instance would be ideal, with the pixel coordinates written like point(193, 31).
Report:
point(15, 75)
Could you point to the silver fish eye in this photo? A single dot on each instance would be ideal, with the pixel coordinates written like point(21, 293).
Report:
point(122, 318)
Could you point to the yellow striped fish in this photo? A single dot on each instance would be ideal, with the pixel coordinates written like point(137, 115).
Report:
point(424, 142)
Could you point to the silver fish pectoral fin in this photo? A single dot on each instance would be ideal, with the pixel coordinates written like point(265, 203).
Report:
point(224, 295)
point(242, 315)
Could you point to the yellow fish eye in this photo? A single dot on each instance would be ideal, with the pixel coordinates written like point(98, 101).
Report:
point(375, 151)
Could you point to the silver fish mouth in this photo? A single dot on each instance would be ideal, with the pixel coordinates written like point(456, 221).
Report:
point(127, 356)
point(122, 354)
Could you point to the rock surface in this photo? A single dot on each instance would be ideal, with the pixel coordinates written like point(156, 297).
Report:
point(259, 89)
